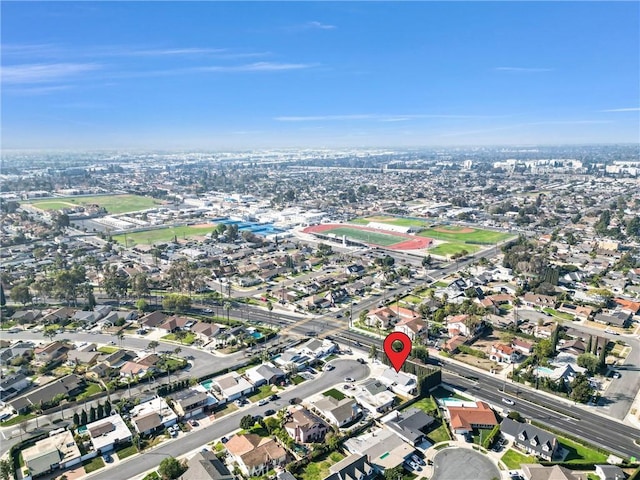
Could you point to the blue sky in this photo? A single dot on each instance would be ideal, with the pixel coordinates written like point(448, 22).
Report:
point(239, 75)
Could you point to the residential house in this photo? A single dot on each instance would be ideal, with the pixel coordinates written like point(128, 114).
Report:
point(618, 318)
point(152, 415)
point(610, 472)
point(135, 369)
point(414, 328)
point(375, 396)
point(18, 350)
point(189, 402)
point(51, 453)
point(537, 300)
point(337, 412)
point(532, 439)
point(152, 320)
point(119, 358)
point(206, 331)
point(628, 305)
point(305, 427)
point(464, 419)
point(522, 346)
point(452, 344)
point(54, 351)
point(26, 316)
point(255, 455)
point(175, 323)
point(534, 471)
point(457, 325)
point(265, 373)
point(108, 432)
point(411, 425)
point(573, 347)
point(382, 447)
point(317, 348)
point(579, 311)
point(232, 386)
point(545, 330)
point(402, 383)
point(79, 357)
point(13, 384)
point(57, 315)
point(205, 465)
point(354, 467)
point(502, 353)
point(67, 386)
point(387, 317)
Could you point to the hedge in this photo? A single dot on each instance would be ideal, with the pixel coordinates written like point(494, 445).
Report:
point(488, 441)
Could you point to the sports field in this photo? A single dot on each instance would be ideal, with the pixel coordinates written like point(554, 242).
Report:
point(163, 235)
point(465, 234)
point(112, 203)
point(370, 236)
point(402, 222)
point(451, 248)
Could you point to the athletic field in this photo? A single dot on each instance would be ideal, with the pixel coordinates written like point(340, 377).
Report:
point(164, 235)
point(451, 248)
point(112, 203)
point(401, 222)
point(371, 236)
point(465, 234)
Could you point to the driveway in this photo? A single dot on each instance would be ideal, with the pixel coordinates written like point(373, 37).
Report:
point(459, 463)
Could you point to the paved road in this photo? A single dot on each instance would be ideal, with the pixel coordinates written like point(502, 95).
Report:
point(133, 466)
point(458, 463)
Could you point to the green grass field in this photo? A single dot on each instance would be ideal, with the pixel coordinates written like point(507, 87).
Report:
point(112, 203)
point(383, 239)
point(319, 469)
point(487, 237)
point(451, 248)
point(580, 453)
point(513, 459)
point(401, 222)
point(163, 235)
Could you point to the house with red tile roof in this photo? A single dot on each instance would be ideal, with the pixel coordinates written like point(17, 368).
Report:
point(465, 419)
point(412, 327)
point(503, 353)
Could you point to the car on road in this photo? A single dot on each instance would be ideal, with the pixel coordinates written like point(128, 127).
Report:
point(262, 402)
point(112, 342)
point(271, 411)
point(616, 375)
point(295, 401)
point(339, 315)
point(348, 379)
point(508, 401)
point(207, 310)
point(362, 361)
point(274, 397)
point(610, 332)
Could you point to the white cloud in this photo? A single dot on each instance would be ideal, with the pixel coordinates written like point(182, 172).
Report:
point(321, 26)
point(256, 67)
point(629, 109)
point(523, 69)
point(44, 72)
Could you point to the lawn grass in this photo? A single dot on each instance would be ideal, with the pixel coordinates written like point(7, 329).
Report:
point(513, 459)
point(320, 469)
point(127, 452)
point(451, 248)
point(18, 419)
point(411, 299)
point(426, 404)
point(263, 392)
point(163, 235)
point(556, 313)
point(113, 204)
point(486, 237)
point(580, 453)
point(91, 389)
point(366, 236)
point(188, 340)
point(402, 222)
point(440, 434)
point(152, 476)
point(226, 410)
point(92, 465)
point(297, 379)
point(107, 350)
point(334, 393)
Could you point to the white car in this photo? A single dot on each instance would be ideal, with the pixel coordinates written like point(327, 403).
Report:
point(508, 401)
point(348, 379)
point(262, 402)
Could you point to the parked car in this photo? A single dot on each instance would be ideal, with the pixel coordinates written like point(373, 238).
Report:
point(270, 412)
point(107, 458)
point(362, 361)
point(417, 459)
point(274, 397)
point(193, 422)
point(348, 379)
point(328, 367)
point(295, 401)
point(262, 402)
point(616, 374)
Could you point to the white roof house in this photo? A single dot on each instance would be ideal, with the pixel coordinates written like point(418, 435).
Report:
point(400, 382)
point(107, 432)
point(232, 386)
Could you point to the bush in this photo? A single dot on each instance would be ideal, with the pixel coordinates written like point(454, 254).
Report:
point(488, 441)
point(472, 351)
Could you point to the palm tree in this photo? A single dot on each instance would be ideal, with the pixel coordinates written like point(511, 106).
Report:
point(120, 336)
point(177, 350)
point(227, 307)
point(153, 345)
point(181, 335)
point(270, 308)
point(50, 333)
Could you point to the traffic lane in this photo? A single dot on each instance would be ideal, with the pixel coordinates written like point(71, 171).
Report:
point(229, 423)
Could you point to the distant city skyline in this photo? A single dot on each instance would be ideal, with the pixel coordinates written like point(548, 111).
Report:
point(244, 75)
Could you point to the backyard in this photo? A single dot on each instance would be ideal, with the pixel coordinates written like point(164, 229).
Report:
point(320, 469)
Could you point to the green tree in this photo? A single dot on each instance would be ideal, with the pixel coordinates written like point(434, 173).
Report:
point(581, 390)
point(140, 285)
point(6, 470)
point(602, 358)
point(427, 261)
point(92, 414)
point(83, 417)
point(20, 293)
point(170, 468)
point(176, 302)
point(247, 422)
point(100, 411)
point(394, 473)
point(3, 299)
point(76, 419)
point(181, 335)
point(153, 344)
point(373, 352)
point(543, 349)
point(142, 305)
point(589, 361)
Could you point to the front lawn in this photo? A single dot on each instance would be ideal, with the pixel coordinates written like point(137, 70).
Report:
point(320, 468)
point(188, 340)
point(108, 350)
point(513, 459)
point(338, 395)
point(93, 464)
point(555, 313)
point(440, 434)
point(127, 452)
point(297, 379)
point(580, 453)
point(426, 404)
point(90, 389)
point(263, 392)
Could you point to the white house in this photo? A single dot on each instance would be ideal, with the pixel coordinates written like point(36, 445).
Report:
point(232, 386)
point(106, 433)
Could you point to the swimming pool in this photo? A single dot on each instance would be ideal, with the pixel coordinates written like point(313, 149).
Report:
point(544, 370)
point(207, 384)
point(256, 335)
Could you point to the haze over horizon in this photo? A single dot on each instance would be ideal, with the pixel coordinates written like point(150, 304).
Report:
point(170, 76)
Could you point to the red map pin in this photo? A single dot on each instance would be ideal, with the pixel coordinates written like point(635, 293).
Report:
point(397, 356)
